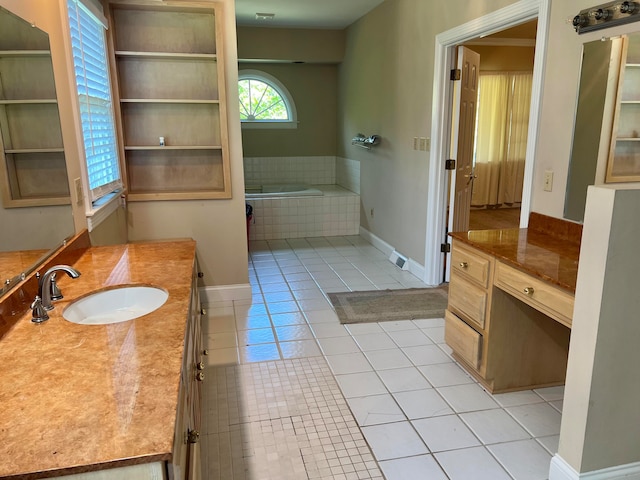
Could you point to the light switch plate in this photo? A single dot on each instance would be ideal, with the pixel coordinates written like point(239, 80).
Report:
point(78, 188)
point(548, 181)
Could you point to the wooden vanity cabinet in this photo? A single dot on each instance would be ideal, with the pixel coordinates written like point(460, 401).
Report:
point(508, 328)
point(171, 114)
point(466, 322)
point(186, 452)
point(185, 464)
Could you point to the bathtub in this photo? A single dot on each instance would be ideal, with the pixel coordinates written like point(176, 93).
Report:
point(270, 191)
point(330, 210)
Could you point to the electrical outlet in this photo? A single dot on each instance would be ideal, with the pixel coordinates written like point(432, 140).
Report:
point(548, 181)
point(427, 144)
point(415, 143)
point(423, 143)
point(78, 187)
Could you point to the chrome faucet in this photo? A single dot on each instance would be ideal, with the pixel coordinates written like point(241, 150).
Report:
point(47, 287)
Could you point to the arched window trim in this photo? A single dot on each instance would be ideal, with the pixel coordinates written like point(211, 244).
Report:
point(284, 93)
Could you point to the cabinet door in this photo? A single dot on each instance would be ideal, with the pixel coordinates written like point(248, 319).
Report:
point(624, 154)
point(186, 451)
point(195, 381)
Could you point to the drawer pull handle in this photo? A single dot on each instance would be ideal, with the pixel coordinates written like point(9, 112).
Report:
point(200, 376)
point(193, 436)
point(528, 290)
point(464, 264)
point(200, 365)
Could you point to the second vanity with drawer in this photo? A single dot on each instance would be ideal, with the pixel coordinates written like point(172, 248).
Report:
point(510, 305)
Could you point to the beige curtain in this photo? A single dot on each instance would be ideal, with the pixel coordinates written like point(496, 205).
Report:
point(501, 137)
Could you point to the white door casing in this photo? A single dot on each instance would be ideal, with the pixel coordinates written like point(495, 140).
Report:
point(504, 18)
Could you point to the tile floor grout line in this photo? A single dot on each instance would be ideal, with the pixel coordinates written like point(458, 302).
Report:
point(340, 260)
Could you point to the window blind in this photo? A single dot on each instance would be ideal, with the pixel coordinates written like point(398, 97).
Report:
point(94, 94)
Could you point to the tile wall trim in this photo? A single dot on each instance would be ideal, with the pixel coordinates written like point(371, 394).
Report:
point(222, 293)
point(561, 470)
point(416, 269)
point(310, 170)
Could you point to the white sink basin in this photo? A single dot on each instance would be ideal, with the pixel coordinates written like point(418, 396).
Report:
point(115, 305)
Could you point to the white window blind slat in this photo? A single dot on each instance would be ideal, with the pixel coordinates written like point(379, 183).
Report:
point(94, 95)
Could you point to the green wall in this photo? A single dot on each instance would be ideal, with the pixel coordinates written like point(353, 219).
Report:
point(314, 88)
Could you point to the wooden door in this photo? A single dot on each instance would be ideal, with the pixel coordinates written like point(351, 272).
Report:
point(462, 138)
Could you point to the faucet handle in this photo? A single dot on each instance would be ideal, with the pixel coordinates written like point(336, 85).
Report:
point(38, 312)
point(56, 294)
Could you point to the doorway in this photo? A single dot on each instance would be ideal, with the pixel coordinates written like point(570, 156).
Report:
point(520, 12)
point(499, 130)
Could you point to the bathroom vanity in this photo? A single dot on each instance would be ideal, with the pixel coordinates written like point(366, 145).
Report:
point(118, 400)
point(510, 305)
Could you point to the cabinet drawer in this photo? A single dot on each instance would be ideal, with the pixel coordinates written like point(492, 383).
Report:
point(463, 339)
point(467, 299)
point(470, 264)
point(552, 301)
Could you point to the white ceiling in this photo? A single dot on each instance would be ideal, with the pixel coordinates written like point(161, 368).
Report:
point(330, 14)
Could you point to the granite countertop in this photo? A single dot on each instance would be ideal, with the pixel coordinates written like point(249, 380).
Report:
point(549, 257)
point(78, 398)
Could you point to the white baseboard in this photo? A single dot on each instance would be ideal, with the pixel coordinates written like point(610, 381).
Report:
point(377, 242)
point(415, 268)
point(225, 293)
point(561, 470)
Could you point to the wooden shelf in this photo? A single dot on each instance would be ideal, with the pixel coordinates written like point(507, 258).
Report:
point(167, 55)
point(174, 147)
point(168, 100)
point(624, 154)
point(25, 53)
point(30, 101)
point(35, 150)
point(32, 162)
point(171, 85)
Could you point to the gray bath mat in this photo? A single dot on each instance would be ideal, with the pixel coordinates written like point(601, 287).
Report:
point(386, 305)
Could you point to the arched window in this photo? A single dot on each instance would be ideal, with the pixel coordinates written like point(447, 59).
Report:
point(264, 101)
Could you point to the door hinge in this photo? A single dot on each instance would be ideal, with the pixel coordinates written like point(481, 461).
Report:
point(450, 164)
point(445, 247)
point(456, 74)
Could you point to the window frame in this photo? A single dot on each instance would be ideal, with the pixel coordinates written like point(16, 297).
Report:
point(103, 196)
point(274, 83)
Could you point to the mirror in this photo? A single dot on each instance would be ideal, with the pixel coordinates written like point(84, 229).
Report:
point(35, 213)
point(594, 117)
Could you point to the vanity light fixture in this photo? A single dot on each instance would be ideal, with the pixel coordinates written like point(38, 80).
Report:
point(606, 15)
point(365, 142)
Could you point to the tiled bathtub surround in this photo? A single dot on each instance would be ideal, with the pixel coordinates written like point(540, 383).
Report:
point(307, 170)
point(335, 213)
point(327, 170)
point(348, 174)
